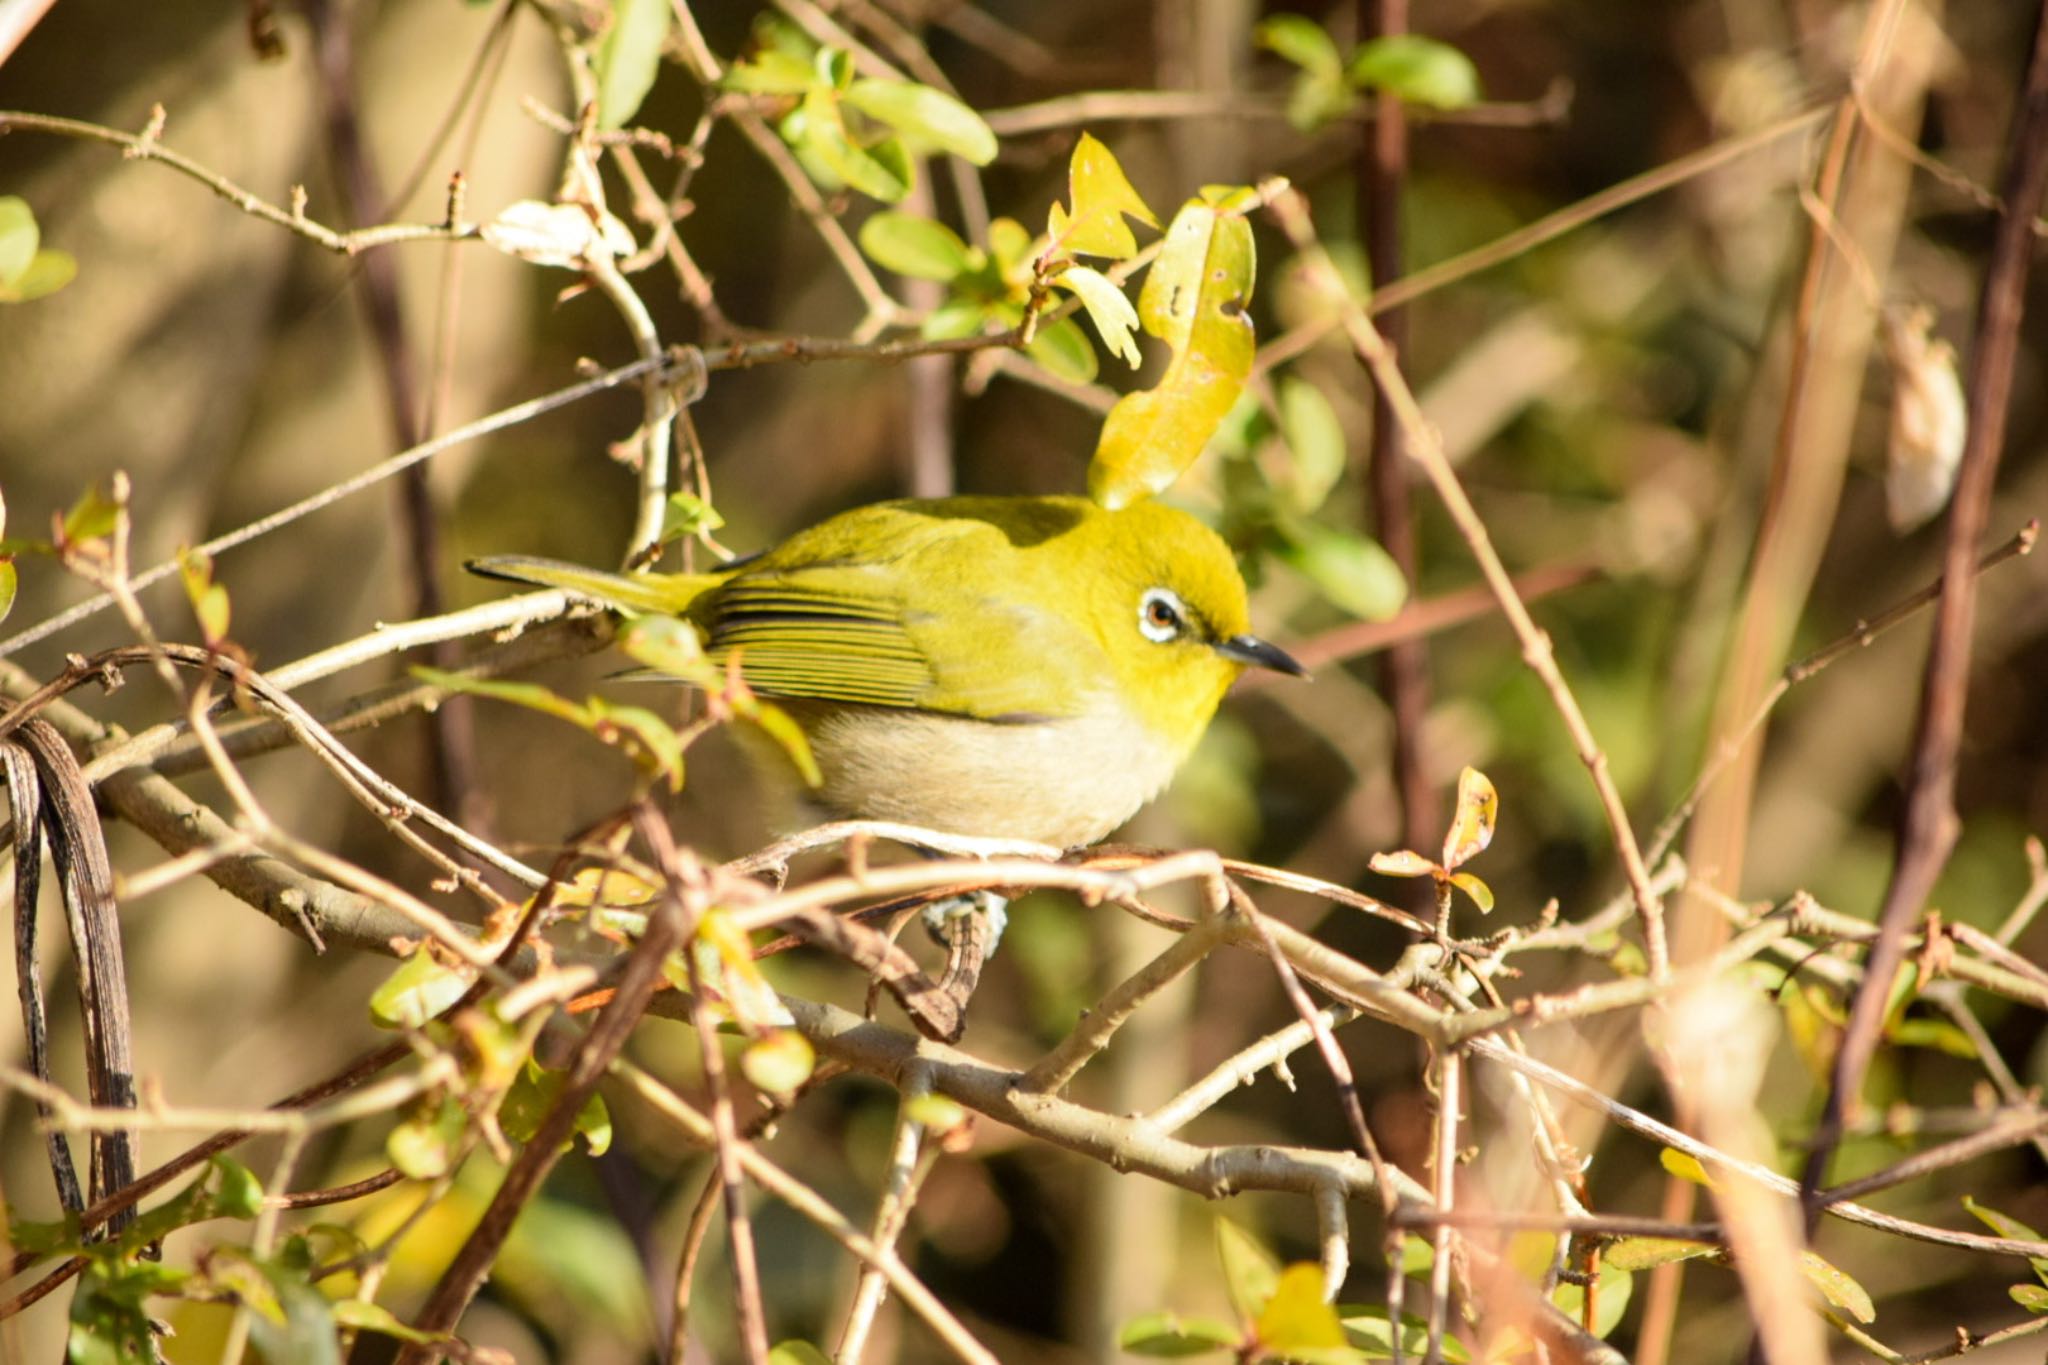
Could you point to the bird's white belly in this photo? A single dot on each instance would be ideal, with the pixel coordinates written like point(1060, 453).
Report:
point(1063, 782)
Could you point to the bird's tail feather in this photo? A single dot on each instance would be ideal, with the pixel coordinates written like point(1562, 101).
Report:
point(669, 594)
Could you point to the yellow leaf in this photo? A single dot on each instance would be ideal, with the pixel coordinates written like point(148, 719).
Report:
point(1102, 198)
point(1197, 299)
point(1472, 826)
point(1685, 1167)
point(1480, 892)
point(1295, 1319)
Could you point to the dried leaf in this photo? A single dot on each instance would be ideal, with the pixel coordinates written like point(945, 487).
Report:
point(563, 236)
point(1929, 419)
point(1405, 863)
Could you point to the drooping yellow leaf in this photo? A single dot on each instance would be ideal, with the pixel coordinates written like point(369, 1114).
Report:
point(1197, 299)
point(1479, 891)
point(1472, 823)
point(1838, 1287)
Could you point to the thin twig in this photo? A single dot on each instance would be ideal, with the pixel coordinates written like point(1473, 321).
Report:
point(1146, 106)
point(148, 146)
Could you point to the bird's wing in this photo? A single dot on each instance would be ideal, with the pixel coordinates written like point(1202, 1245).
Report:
point(843, 633)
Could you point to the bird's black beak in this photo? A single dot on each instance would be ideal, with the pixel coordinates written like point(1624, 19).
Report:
point(1250, 649)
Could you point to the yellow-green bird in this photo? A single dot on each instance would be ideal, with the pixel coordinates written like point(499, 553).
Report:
point(1008, 667)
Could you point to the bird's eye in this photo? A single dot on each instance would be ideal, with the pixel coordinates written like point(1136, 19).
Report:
point(1161, 615)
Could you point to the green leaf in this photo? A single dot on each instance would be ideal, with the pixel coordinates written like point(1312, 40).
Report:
point(1009, 245)
point(882, 171)
point(1250, 1272)
point(109, 1324)
point(940, 1113)
point(364, 1316)
point(1315, 440)
point(2006, 1225)
point(1297, 1324)
point(423, 1145)
point(1938, 1034)
point(671, 647)
point(1613, 1286)
point(306, 1334)
point(1108, 309)
point(1352, 571)
point(1418, 70)
point(534, 1093)
point(628, 58)
point(1062, 347)
point(686, 514)
point(925, 115)
point(10, 583)
point(419, 990)
point(533, 696)
point(772, 72)
point(92, 517)
point(1371, 1331)
point(1171, 1336)
point(2031, 1297)
point(1197, 298)
point(779, 1062)
point(1102, 198)
point(1646, 1253)
point(797, 1353)
point(20, 238)
point(651, 742)
point(1301, 41)
point(914, 246)
point(956, 318)
point(1418, 1256)
point(1837, 1287)
point(779, 726)
point(237, 1191)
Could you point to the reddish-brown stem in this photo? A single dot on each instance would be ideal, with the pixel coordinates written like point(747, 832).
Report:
point(1927, 828)
point(1404, 667)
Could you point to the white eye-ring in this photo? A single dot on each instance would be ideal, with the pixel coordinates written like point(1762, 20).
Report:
point(1162, 616)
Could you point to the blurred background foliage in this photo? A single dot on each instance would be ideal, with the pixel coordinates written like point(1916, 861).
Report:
point(1611, 399)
